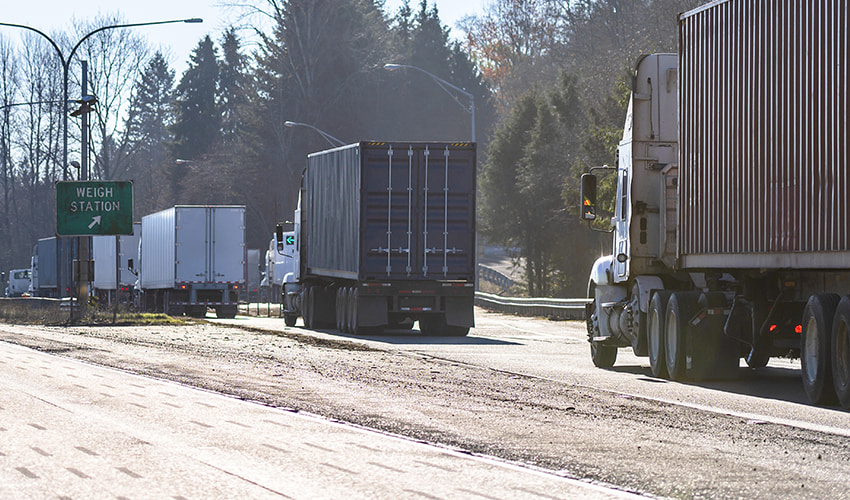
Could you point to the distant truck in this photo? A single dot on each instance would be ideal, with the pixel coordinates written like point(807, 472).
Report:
point(115, 271)
point(385, 234)
point(193, 258)
point(19, 282)
point(731, 228)
point(281, 260)
point(51, 267)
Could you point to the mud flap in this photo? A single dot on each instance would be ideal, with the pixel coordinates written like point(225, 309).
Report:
point(459, 311)
point(372, 311)
point(710, 355)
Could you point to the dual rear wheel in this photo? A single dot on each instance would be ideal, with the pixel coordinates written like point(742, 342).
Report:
point(681, 345)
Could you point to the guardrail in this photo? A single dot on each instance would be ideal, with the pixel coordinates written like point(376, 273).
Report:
point(495, 277)
point(534, 306)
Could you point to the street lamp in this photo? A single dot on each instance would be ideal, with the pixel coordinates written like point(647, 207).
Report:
point(445, 86)
point(66, 63)
point(328, 137)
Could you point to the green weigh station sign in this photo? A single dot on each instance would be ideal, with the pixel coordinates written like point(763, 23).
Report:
point(86, 208)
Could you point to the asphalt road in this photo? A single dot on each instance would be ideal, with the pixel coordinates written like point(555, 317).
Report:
point(522, 390)
point(75, 430)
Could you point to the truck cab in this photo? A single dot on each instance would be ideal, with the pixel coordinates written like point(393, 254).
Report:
point(643, 225)
point(19, 282)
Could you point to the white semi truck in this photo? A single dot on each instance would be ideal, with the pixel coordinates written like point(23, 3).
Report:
point(193, 258)
point(731, 224)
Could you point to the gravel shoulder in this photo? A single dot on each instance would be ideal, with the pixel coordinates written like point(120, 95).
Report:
point(638, 445)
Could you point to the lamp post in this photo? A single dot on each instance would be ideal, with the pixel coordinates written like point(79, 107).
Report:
point(66, 63)
point(445, 86)
point(328, 137)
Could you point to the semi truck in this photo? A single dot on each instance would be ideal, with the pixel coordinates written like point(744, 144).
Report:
point(731, 228)
point(19, 282)
point(114, 260)
point(385, 237)
point(52, 267)
point(193, 258)
point(281, 260)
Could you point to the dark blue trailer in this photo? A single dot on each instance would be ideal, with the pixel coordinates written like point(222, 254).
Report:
point(387, 237)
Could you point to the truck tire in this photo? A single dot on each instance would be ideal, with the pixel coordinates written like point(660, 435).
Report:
point(711, 355)
point(815, 346)
point(680, 309)
point(307, 306)
point(655, 333)
point(340, 309)
point(841, 352)
point(353, 299)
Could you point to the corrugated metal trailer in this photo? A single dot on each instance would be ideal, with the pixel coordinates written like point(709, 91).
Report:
point(390, 211)
point(764, 135)
point(393, 224)
point(759, 197)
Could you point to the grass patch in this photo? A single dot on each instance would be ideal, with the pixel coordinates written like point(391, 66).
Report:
point(48, 312)
point(133, 319)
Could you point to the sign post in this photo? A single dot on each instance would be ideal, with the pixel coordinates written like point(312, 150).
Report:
point(87, 208)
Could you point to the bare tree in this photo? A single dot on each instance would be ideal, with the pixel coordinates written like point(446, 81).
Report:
point(8, 93)
point(115, 58)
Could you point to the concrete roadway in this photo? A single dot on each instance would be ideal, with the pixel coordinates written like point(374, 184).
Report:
point(558, 350)
point(74, 430)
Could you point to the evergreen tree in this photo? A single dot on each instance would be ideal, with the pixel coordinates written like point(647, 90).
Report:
point(231, 86)
point(147, 127)
point(198, 125)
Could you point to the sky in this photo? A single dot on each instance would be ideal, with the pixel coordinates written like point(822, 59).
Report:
point(176, 40)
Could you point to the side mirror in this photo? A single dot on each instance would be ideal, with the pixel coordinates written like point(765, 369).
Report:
point(278, 231)
point(588, 197)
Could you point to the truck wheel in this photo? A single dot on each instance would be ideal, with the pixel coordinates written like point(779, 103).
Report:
point(680, 309)
point(353, 300)
point(307, 306)
point(841, 352)
point(340, 309)
point(655, 333)
point(349, 310)
point(603, 356)
point(815, 346)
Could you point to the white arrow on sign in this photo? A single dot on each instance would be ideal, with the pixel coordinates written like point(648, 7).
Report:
point(94, 221)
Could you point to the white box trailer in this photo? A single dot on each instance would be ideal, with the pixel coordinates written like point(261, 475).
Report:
point(193, 258)
point(116, 270)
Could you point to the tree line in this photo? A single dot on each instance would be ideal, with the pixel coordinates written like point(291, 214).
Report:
point(548, 76)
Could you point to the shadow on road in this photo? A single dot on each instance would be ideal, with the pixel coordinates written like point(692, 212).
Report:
point(771, 382)
point(413, 337)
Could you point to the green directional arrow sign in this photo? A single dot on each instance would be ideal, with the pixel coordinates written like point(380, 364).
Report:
point(86, 208)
